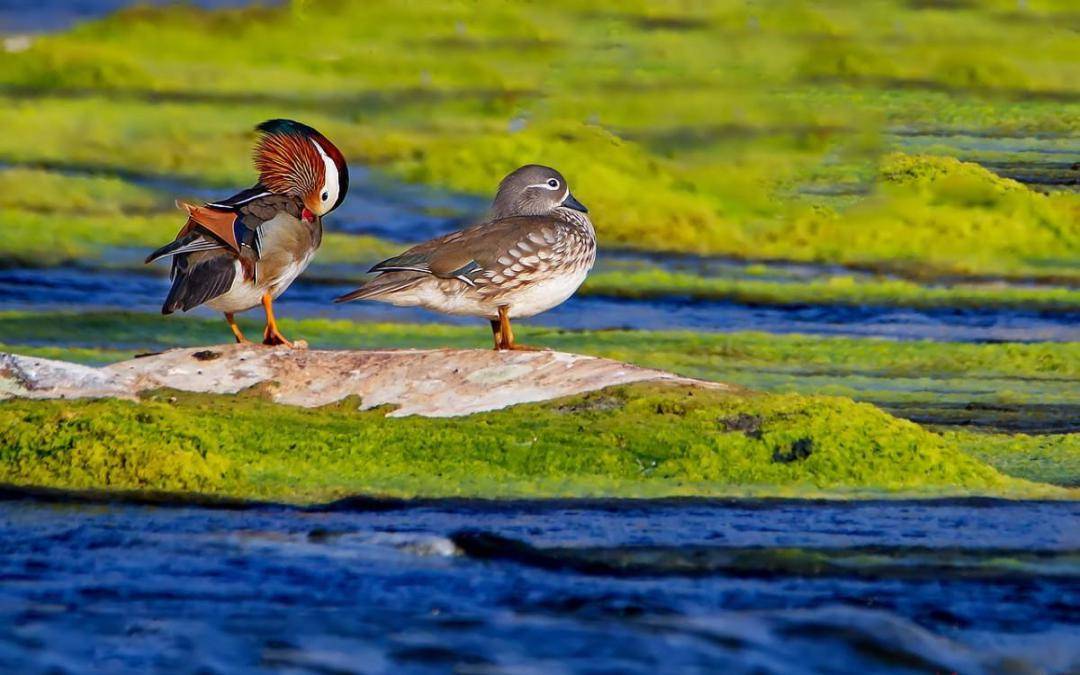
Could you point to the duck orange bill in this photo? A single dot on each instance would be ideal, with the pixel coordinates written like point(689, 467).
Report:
point(221, 224)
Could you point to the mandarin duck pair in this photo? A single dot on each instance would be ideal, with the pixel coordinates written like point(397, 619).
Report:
point(531, 253)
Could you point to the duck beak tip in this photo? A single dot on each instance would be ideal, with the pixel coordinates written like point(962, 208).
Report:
point(572, 202)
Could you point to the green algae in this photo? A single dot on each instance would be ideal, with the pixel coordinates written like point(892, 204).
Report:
point(85, 355)
point(674, 123)
point(22, 189)
point(1051, 459)
point(45, 239)
point(636, 440)
point(931, 374)
point(663, 349)
point(933, 215)
point(693, 110)
point(842, 289)
point(90, 215)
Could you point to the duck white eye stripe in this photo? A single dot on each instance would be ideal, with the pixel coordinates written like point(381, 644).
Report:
point(543, 185)
point(331, 185)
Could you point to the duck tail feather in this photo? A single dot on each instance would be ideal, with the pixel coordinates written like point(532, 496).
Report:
point(195, 284)
point(383, 286)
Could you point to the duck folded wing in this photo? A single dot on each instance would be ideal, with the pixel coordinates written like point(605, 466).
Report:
point(493, 252)
point(207, 228)
point(228, 224)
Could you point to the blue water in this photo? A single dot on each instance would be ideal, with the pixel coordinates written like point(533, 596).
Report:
point(967, 587)
point(37, 16)
point(81, 289)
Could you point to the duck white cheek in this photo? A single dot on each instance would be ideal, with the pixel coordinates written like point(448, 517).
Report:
point(331, 192)
point(331, 183)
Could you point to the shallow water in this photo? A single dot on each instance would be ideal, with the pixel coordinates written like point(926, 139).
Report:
point(37, 16)
point(1043, 162)
point(81, 289)
point(773, 587)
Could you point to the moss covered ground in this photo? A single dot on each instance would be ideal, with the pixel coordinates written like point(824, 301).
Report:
point(841, 289)
point(723, 129)
point(873, 135)
point(1022, 379)
point(630, 441)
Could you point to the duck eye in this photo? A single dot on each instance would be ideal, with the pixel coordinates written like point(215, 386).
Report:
point(552, 183)
point(325, 196)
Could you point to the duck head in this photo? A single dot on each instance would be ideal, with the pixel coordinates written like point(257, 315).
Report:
point(533, 190)
point(295, 159)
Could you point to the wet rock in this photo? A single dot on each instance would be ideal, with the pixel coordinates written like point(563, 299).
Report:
point(433, 383)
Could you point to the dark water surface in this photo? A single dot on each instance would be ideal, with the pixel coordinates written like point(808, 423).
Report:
point(670, 586)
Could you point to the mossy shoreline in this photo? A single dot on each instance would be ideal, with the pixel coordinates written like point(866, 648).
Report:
point(832, 290)
point(644, 440)
point(361, 503)
point(102, 337)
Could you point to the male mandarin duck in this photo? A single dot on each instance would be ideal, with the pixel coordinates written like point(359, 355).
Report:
point(243, 251)
point(530, 255)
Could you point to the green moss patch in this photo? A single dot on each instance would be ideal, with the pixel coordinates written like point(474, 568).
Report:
point(841, 289)
point(637, 440)
point(1047, 459)
point(687, 129)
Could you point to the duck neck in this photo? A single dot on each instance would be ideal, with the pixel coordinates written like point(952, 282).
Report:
point(575, 217)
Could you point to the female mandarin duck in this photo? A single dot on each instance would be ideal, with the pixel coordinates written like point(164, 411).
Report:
point(530, 255)
point(234, 254)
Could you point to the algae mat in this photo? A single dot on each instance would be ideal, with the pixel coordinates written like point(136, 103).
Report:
point(636, 440)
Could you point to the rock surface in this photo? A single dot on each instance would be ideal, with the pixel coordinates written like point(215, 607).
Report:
point(433, 383)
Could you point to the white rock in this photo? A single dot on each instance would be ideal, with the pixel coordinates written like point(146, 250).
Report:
point(432, 383)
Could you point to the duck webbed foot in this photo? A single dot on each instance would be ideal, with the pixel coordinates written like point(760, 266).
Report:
point(271, 335)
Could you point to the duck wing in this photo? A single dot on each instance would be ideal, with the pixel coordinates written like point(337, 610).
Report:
point(197, 278)
point(216, 235)
point(501, 248)
point(228, 224)
point(493, 256)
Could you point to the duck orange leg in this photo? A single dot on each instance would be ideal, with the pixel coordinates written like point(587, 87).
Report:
point(240, 339)
point(496, 332)
point(272, 336)
point(507, 333)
